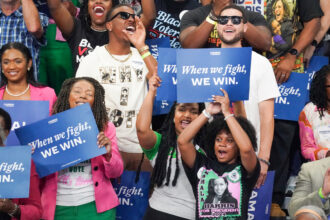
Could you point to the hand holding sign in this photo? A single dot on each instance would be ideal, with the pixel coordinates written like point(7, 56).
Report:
point(154, 83)
point(223, 101)
point(103, 141)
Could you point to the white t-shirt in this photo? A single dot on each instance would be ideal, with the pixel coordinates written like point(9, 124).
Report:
point(263, 86)
point(75, 185)
point(125, 86)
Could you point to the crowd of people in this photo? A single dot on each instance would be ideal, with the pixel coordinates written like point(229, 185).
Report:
point(204, 158)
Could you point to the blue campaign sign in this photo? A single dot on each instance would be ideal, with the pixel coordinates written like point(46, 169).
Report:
point(155, 44)
point(167, 71)
point(261, 199)
point(201, 72)
point(23, 113)
point(162, 107)
point(15, 165)
point(316, 63)
point(133, 197)
point(293, 97)
point(62, 140)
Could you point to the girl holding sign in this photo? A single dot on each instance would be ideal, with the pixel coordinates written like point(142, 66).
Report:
point(232, 162)
point(172, 197)
point(84, 191)
point(17, 80)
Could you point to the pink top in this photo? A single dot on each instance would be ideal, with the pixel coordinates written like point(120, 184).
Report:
point(102, 171)
point(39, 94)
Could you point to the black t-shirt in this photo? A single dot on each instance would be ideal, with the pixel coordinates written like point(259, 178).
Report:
point(83, 40)
point(167, 22)
point(221, 190)
point(197, 16)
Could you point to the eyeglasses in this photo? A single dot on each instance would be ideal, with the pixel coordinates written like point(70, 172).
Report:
point(236, 20)
point(123, 15)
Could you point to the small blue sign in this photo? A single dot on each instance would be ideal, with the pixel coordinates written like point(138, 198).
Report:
point(155, 44)
point(261, 199)
point(15, 165)
point(133, 197)
point(23, 113)
point(167, 72)
point(316, 63)
point(293, 97)
point(62, 140)
point(201, 72)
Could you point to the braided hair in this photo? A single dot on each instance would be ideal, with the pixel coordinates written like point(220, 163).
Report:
point(98, 108)
point(168, 148)
point(318, 95)
point(218, 125)
point(27, 55)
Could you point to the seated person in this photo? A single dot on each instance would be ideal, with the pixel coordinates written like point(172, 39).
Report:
point(310, 212)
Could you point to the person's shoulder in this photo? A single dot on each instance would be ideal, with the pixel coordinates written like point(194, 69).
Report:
point(199, 10)
point(259, 58)
point(96, 53)
point(315, 165)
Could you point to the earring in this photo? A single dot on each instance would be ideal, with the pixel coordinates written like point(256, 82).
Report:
point(28, 69)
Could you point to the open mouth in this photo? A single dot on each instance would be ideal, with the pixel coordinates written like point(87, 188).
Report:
point(13, 73)
point(98, 10)
point(80, 103)
point(130, 29)
point(229, 31)
point(222, 154)
point(185, 123)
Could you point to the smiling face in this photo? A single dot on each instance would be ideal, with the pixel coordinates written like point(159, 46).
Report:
point(279, 10)
point(81, 92)
point(219, 186)
point(118, 23)
point(231, 34)
point(14, 65)
point(225, 148)
point(98, 10)
point(184, 114)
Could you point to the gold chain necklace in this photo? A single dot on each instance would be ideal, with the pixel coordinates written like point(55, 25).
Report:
point(121, 61)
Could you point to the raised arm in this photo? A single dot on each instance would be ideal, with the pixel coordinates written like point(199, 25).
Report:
point(148, 12)
point(32, 19)
point(62, 16)
point(137, 38)
point(258, 36)
point(146, 135)
point(242, 140)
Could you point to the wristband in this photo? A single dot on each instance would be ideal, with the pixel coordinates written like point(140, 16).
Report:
point(146, 47)
point(264, 161)
point(206, 114)
point(314, 43)
point(145, 55)
point(321, 194)
point(210, 21)
point(228, 116)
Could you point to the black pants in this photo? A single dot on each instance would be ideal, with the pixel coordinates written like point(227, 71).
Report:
point(285, 143)
point(152, 214)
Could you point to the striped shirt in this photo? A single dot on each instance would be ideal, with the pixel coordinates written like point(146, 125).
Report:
point(13, 29)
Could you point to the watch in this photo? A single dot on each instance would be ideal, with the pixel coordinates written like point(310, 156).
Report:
point(293, 51)
point(314, 43)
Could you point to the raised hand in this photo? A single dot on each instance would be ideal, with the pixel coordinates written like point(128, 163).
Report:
point(103, 141)
point(154, 83)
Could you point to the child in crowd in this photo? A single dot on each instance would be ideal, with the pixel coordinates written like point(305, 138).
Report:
point(231, 164)
point(172, 198)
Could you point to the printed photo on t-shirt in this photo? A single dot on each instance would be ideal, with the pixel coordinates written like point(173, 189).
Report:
point(139, 73)
point(116, 117)
point(124, 96)
point(129, 118)
point(125, 73)
point(219, 196)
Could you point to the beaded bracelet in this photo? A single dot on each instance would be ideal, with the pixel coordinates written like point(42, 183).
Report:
point(228, 116)
point(146, 47)
point(264, 161)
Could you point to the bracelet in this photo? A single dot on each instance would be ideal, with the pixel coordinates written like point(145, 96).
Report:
point(228, 116)
point(145, 55)
point(146, 47)
point(206, 114)
point(13, 213)
point(210, 21)
point(321, 194)
point(264, 161)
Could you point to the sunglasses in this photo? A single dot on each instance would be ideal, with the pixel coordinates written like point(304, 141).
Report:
point(123, 15)
point(236, 20)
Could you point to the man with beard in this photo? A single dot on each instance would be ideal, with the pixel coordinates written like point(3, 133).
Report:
point(199, 29)
point(263, 87)
point(125, 63)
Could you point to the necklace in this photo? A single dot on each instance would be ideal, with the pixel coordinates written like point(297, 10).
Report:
point(16, 95)
point(121, 61)
point(98, 30)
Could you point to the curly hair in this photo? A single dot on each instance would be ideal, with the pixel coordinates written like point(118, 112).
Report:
point(218, 125)
point(26, 54)
point(318, 95)
point(286, 8)
point(98, 108)
point(168, 148)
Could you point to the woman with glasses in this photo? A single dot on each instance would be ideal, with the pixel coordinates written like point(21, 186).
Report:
point(314, 119)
